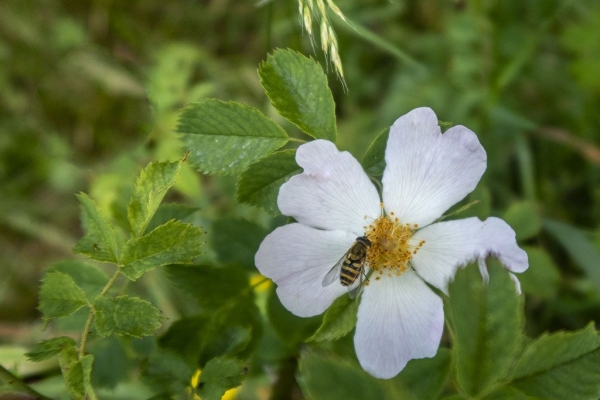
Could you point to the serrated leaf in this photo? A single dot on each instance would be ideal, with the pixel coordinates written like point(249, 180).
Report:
point(486, 323)
point(289, 327)
point(219, 375)
point(564, 365)
point(148, 192)
point(259, 184)
point(50, 348)
point(171, 243)
point(524, 218)
point(77, 377)
point(236, 240)
point(542, 278)
point(297, 88)
point(328, 378)
point(88, 277)
point(373, 161)
point(166, 372)
point(225, 137)
point(580, 248)
point(211, 287)
point(60, 296)
point(99, 242)
point(339, 319)
point(125, 315)
point(425, 378)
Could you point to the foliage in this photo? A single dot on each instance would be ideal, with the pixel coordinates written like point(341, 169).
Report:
point(165, 285)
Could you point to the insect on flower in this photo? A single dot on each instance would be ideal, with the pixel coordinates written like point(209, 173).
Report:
point(344, 231)
point(350, 267)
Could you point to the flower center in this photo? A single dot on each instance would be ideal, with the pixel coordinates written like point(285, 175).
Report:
point(391, 248)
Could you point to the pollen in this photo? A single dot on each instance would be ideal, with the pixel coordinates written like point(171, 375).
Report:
point(391, 248)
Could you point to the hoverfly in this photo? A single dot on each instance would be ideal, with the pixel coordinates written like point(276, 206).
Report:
point(350, 267)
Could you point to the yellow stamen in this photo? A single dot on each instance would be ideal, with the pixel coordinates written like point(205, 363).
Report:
point(390, 249)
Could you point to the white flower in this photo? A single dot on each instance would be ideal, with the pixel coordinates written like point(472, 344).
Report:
point(334, 202)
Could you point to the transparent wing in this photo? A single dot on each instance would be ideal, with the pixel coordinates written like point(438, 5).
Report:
point(334, 272)
point(355, 291)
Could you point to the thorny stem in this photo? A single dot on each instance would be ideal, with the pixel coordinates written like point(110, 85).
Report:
point(90, 318)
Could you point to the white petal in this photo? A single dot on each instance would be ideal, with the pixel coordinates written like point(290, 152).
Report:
point(448, 245)
point(485, 275)
point(500, 241)
point(332, 193)
point(515, 280)
point(399, 319)
point(297, 258)
point(427, 172)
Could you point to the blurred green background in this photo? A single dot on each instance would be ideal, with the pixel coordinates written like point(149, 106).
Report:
point(90, 93)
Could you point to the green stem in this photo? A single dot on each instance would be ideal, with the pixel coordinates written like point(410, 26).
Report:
point(90, 318)
point(286, 379)
point(13, 386)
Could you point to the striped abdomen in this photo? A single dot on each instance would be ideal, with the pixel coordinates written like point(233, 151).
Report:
point(352, 265)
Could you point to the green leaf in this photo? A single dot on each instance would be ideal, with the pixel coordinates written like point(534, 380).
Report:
point(125, 315)
point(373, 161)
point(165, 371)
point(486, 323)
point(579, 247)
point(507, 392)
point(289, 327)
point(542, 278)
point(171, 243)
point(564, 365)
point(425, 378)
point(167, 212)
point(234, 330)
point(236, 240)
point(524, 218)
point(148, 192)
point(219, 375)
point(60, 296)
point(259, 184)
point(99, 242)
point(88, 277)
point(328, 378)
point(211, 287)
point(50, 348)
point(184, 338)
point(224, 138)
point(339, 319)
point(77, 377)
point(111, 363)
point(297, 88)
